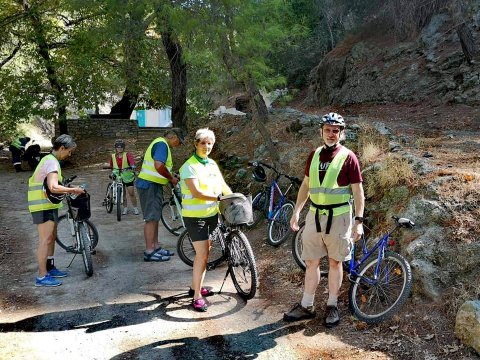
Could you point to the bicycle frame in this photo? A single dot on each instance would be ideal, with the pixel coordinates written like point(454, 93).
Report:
point(354, 265)
point(274, 190)
point(177, 201)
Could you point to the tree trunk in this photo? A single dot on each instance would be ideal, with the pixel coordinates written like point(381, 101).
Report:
point(124, 108)
point(260, 118)
point(178, 70)
point(134, 34)
point(43, 51)
point(468, 44)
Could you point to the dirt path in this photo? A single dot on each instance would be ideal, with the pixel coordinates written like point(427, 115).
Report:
point(130, 309)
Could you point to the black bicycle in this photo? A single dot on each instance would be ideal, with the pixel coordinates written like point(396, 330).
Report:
point(75, 233)
point(379, 284)
point(230, 245)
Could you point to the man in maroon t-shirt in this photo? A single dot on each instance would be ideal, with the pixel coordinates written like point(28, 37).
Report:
point(332, 175)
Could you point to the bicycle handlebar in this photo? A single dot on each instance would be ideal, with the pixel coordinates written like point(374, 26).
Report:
point(293, 179)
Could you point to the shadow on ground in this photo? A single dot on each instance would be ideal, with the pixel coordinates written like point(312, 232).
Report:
point(244, 345)
point(110, 316)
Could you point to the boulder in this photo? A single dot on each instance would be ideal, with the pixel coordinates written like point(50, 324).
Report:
point(467, 324)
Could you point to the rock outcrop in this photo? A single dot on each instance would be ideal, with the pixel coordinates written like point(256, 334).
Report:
point(376, 69)
point(467, 324)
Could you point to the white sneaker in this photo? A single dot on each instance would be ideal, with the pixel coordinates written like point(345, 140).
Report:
point(125, 211)
point(135, 211)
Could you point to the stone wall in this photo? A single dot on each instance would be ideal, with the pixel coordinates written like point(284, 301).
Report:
point(81, 129)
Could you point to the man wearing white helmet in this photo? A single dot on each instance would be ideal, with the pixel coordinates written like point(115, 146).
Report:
point(332, 176)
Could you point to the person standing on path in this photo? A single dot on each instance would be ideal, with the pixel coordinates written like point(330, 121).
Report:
point(122, 159)
point(202, 186)
point(45, 181)
point(156, 171)
point(332, 175)
point(17, 148)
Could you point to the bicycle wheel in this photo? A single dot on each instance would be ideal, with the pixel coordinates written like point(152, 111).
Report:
point(375, 301)
point(241, 263)
point(171, 218)
point(259, 208)
point(108, 202)
point(119, 203)
point(86, 248)
point(66, 236)
point(279, 227)
point(186, 251)
point(297, 248)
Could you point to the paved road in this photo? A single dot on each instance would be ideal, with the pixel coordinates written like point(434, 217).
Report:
point(129, 309)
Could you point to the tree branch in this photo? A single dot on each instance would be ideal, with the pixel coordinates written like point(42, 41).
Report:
point(11, 56)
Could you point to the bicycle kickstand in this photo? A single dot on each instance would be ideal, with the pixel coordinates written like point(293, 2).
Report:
point(225, 278)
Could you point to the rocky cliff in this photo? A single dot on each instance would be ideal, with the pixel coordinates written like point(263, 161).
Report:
point(372, 67)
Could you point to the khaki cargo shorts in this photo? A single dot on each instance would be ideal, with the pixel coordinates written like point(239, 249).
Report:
point(337, 245)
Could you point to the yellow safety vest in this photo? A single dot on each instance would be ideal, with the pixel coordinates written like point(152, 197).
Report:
point(329, 192)
point(148, 171)
point(209, 180)
point(37, 199)
point(127, 176)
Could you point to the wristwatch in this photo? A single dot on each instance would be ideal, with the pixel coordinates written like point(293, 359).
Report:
point(359, 219)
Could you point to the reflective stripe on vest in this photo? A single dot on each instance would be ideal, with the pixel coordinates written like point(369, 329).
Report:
point(148, 171)
point(127, 176)
point(210, 181)
point(329, 192)
point(37, 199)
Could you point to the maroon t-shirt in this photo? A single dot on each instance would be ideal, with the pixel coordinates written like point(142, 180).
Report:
point(350, 172)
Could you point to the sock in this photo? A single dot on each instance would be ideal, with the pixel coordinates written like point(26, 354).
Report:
point(332, 300)
point(307, 300)
point(50, 264)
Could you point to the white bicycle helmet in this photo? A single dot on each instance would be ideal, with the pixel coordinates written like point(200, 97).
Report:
point(333, 119)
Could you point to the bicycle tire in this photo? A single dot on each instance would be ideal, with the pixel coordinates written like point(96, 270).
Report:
point(376, 303)
point(241, 262)
point(297, 248)
point(171, 219)
point(279, 228)
point(67, 241)
point(119, 203)
point(109, 198)
point(259, 208)
point(186, 251)
point(86, 249)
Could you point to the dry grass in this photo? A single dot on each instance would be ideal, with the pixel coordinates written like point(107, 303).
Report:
point(461, 196)
point(370, 153)
point(395, 171)
point(457, 295)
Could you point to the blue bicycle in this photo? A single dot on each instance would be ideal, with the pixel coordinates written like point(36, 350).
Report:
point(379, 284)
point(271, 203)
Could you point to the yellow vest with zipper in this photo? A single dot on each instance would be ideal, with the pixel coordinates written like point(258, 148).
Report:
point(148, 171)
point(329, 192)
point(37, 199)
point(210, 180)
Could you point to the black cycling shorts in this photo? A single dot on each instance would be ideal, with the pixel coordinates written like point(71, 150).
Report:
point(40, 217)
point(200, 228)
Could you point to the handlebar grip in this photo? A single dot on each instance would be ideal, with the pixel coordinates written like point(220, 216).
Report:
point(67, 181)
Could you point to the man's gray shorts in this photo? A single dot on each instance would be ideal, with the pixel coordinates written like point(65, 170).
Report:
point(151, 201)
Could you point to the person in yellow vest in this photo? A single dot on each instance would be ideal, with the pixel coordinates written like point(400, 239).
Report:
point(17, 148)
point(155, 173)
point(332, 176)
point(121, 160)
point(44, 212)
point(202, 186)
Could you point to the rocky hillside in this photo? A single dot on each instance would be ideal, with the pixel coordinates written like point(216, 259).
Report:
point(373, 67)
